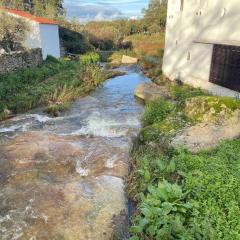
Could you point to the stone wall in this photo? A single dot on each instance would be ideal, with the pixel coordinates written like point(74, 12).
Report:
point(10, 62)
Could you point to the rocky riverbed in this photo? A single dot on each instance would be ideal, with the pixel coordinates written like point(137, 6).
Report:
point(64, 178)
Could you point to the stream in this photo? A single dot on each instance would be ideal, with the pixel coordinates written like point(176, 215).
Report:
point(63, 178)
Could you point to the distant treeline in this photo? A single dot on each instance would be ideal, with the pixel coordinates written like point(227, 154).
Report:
point(107, 35)
point(103, 35)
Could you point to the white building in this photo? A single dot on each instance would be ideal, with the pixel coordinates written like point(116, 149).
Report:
point(43, 33)
point(203, 44)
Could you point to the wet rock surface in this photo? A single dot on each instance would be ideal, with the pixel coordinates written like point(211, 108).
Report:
point(64, 178)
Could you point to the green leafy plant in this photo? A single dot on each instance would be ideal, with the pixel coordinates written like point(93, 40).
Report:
point(164, 213)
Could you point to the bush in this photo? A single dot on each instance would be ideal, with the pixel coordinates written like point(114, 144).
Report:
point(74, 42)
point(157, 111)
point(182, 92)
point(166, 128)
point(66, 81)
point(89, 59)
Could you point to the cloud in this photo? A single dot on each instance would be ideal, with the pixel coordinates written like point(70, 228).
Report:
point(104, 9)
point(93, 12)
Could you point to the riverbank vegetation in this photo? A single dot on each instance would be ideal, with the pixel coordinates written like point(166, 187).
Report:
point(56, 83)
point(180, 194)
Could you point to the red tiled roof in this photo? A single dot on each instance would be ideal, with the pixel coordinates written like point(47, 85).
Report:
point(29, 16)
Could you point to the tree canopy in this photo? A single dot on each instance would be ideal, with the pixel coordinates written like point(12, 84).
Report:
point(155, 16)
point(47, 8)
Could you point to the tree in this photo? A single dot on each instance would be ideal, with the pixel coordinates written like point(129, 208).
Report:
point(155, 16)
point(46, 8)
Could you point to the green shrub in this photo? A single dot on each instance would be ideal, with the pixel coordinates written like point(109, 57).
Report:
point(166, 128)
point(183, 92)
point(157, 111)
point(51, 59)
point(90, 58)
point(74, 41)
point(56, 81)
point(55, 109)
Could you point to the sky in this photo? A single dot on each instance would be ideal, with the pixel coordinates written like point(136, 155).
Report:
point(86, 10)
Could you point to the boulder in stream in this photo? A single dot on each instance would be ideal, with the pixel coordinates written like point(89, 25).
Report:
point(150, 92)
point(129, 60)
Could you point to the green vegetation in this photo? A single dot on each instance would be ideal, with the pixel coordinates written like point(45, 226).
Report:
point(155, 16)
point(54, 83)
point(179, 194)
point(188, 196)
point(73, 41)
point(216, 108)
point(12, 32)
point(157, 111)
point(45, 8)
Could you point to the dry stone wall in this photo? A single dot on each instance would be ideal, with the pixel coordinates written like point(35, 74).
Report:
point(10, 62)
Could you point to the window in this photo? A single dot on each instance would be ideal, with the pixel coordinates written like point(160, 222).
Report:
point(225, 67)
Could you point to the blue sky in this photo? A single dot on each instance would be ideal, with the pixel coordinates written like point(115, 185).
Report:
point(104, 9)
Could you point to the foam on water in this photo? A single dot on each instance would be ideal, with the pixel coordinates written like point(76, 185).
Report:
point(111, 161)
point(100, 126)
point(16, 219)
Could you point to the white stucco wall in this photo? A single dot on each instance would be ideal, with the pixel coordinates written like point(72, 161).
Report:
point(190, 35)
point(45, 36)
point(49, 35)
point(33, 39)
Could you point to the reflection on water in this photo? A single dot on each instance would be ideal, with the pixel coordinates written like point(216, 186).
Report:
point(63, 178)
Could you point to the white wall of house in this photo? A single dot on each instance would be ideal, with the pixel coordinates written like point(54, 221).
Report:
point(44, 36)
point(192, 30)
point(49, 35)
point(33, 39)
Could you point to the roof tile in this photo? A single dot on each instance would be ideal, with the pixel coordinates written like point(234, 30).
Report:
point(29, 16)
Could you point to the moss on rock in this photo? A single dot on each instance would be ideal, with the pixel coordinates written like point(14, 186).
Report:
point(210, 108)
point(167, 128)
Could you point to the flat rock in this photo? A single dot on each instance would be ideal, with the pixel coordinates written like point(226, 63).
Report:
point(55, 189)
point(205, 135)
point(151, 92)
point(129, 60)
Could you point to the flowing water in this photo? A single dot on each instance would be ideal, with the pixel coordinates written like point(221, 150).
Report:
point(63, 178)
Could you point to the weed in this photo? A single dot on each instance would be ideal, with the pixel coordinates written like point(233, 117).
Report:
point(157, 111)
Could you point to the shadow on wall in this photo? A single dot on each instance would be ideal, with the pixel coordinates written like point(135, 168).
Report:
point(185, 59)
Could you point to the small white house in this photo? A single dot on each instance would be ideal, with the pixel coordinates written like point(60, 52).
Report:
point(202, 46)
point(43, 33)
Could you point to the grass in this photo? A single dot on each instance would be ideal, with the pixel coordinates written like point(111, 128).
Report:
point(179, 194)
point(56, 82)
point(147, 44)
point(188, 196)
